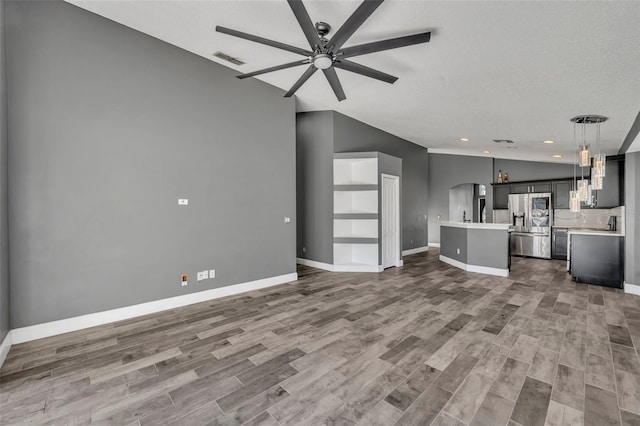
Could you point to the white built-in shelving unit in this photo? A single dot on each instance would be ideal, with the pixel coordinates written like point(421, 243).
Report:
point(356, 200)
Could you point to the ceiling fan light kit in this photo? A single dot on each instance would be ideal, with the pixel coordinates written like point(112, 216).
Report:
point(327, 54)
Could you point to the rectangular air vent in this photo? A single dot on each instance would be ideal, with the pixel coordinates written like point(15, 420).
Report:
point(503, 141)
point(228, 58)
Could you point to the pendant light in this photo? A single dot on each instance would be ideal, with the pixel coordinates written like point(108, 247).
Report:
point(585, 187)
point(574, 200)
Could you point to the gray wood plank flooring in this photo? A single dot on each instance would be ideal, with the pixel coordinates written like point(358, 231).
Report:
point(424, 344)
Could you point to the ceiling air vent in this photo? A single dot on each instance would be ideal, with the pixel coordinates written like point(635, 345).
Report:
point(228, 58)
point(503, 141)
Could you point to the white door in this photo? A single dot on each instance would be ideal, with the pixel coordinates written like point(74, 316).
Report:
point(390, 220)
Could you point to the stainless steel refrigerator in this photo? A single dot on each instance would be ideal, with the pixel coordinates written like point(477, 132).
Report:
point(531, 218)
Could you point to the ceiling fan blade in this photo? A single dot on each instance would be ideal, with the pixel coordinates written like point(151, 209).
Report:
point(308, 73)
point(378, 46)
point(366, 8)
point(334, 82)
point(263, 40)
point(363, 70)
point(305, 22)
point(276, 68)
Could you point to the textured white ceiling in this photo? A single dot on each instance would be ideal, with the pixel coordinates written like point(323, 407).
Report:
point(493, 70)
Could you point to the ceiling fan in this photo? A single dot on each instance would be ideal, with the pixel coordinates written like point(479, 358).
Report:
point(328, 54)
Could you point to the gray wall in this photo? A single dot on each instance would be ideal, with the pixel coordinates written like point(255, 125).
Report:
point(532, 170)
point(355, 136)
point(488, 247)
point(632, 219)
point(447, 171)
point(319, 135)
point(456, 238)
point(314, 174)
point(4, 224)
point(109, 127)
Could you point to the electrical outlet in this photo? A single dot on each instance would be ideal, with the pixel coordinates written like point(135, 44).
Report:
point(457, 251)
point(183, 202)
point(205, 275)
point(184, 280)
point(212, 273)
point(199, 276)
point(287, 220)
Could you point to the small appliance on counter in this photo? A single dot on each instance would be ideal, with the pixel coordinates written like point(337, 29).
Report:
point(531, 216)
point(612, 223)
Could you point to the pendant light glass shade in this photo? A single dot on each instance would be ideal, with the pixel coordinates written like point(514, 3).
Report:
point(583, 188)
point(574, 202)
point(584, 156)
point(596, 179)
point(599, 164)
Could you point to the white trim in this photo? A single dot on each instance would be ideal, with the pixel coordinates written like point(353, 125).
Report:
point(396, 207)
point(415, 250)
point(475, 268)
point(5, 346)
point(357, 268)
point(400, 263)
point(314, 264)
point(435, 245)
point(39, 331)
point(632, 288)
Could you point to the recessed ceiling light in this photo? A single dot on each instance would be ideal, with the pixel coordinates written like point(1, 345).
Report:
point(549, 142)
point(464, 139)
point(485, 152)
point(557, 156)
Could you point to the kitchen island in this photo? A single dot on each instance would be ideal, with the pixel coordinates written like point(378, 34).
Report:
point(476, 247)
point(596, 257)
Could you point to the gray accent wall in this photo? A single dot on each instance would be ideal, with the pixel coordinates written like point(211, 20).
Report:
point(319, 135)
point(632, 219)
point(355, 136)
point(532, 170)
point(109, 127)
point(4, 223)
point(447, 171)
point(314, 174)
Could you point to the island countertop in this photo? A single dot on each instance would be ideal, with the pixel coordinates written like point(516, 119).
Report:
point(476, 225)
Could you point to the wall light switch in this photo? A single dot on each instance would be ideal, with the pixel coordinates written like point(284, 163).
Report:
point(183, 201)
point(205, 275)
point(212, 273)
point(287, 220)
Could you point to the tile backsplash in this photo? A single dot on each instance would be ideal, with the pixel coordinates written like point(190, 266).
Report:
point(588, 218)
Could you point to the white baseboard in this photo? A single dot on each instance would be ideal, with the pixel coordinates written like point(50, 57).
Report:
point(632, 288)
point(400, 263)
point(415, 250)
point(314, 264)
point(4, 347)
point(342, 268)
point(435, 245)
point(475, 268)
point(358, 268)
point(39, 331)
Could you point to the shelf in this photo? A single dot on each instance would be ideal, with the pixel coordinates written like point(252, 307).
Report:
point(354, 240)
point(355, 228)
point(350, 253)
point(348, 171)
point(355, 201)
point(355, 187)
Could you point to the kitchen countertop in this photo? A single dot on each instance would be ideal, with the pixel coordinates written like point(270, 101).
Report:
point(476, 225)
point(601, 232)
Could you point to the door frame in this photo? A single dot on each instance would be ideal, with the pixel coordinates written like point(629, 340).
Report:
point(398, 256)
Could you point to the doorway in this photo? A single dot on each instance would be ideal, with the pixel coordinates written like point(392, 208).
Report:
point(390, 221)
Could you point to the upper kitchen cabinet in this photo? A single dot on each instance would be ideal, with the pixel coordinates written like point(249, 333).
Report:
point(529, 187)
point(501, 196)
point(612, 193)
point(561, 190)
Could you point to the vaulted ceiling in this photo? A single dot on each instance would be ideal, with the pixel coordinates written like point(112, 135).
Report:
point(517, 70)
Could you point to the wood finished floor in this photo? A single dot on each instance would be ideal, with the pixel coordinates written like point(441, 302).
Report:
point(418, 345)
